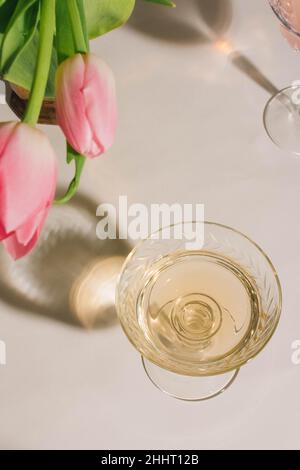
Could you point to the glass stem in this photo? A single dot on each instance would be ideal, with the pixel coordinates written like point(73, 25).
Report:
point(47, 27)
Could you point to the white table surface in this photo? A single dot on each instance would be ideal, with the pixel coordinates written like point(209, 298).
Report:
point(190, 130)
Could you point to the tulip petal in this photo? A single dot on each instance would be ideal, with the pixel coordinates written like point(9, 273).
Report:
point(3, 233)
point(70, 104)
point(25, 233)
point(100, 103)
point(16, 249)
point(6, 132)
point(27, 176)
point(86, 103)
point(24, 239)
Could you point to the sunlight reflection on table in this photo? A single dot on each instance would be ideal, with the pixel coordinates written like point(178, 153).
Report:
point(92, 296)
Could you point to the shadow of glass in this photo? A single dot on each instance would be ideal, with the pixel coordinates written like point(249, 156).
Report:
point(248, 68)
point(71, 275)
point(192, 21)
point(197, 22)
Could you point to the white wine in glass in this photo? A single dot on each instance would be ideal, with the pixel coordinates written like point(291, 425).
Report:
point(196, 316)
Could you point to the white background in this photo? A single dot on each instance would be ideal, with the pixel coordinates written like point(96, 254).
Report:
point(190, 130)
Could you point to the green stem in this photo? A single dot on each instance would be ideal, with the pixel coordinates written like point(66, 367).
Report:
point(77, 29)
point(47, 27)
point(72, 190)
point(79, 161)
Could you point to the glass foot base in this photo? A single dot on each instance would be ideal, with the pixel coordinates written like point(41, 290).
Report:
point(282, 119)
point(188, 388)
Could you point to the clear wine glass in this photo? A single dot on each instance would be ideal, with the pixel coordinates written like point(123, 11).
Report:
point(282, 112)
point(196, 315)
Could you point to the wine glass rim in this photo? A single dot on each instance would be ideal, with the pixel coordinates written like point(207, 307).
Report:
point(205, 222)
point(283, 21)
point(260, 250)
point(273, 139)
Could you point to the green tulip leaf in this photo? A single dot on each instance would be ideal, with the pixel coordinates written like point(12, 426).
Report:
point(7, 2)
point(19, 39)
point(64, 37)
point(7, 8)
point(104, 15)
point(19, 32)
point(21, 72)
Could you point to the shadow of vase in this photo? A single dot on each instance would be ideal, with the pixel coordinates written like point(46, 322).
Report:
point(71, 275)
point(192, 21)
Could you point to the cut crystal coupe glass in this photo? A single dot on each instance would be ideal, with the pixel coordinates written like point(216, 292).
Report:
point(282, 112)
point(196, 315)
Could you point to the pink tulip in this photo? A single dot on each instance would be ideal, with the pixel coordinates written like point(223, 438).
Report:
point(86, 104)
point(27, 185)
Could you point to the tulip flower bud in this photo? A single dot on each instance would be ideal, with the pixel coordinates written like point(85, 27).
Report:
point(28, 174)
point(86, 103)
